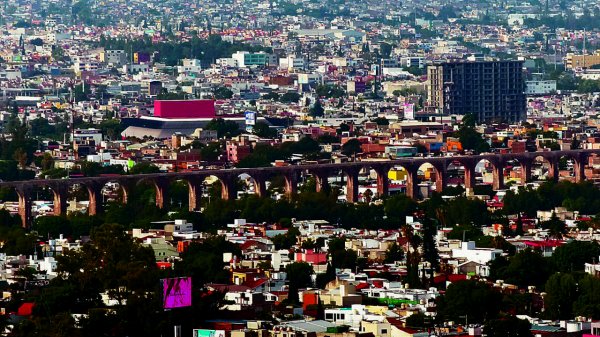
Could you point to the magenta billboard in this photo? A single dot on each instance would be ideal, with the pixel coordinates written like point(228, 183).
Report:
point(178, 109)
point(177, 292)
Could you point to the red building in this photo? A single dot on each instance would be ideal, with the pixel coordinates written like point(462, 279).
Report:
point(311, 257)
point(517, 146)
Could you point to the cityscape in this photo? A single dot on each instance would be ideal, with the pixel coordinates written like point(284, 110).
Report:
point(300, 168)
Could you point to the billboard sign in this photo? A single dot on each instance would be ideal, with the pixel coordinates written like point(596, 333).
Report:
point(250, 117)
point(177, 292)
point(208, 333)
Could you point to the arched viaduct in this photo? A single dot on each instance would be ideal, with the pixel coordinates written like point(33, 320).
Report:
point(292, 174)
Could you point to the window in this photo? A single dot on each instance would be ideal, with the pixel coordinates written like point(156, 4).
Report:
point(383, 331)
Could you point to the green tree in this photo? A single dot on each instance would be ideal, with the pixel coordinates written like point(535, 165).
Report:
point(20, 156)
point(271, 95)
point(111, 128)
point(328, 139)
point(344, 258)
point(430, 251)
point(561, 292)
point(394, 253)
point(47, 162)
point(303, 146)
point(222, 93)
point(351, 147)
point(317, 109)
point(573, 255)
point(204, 261)
point(112, 263)
point(8, 170)
point(211, 151)
point(287, 240)
point(526, 201)
point(497, 242)
point(588, 86)
point(224, 128)
point(326, 277)
point(52, 226)
point(37, 42)
point(144, 168)
point(290, 97)
point(417, 321)
point(397, 207)
point(58, 53)
point(263, 130)
point(556, 227)
point(526, 268)
point(329, 91)
point(470, 139)
point(299, 276)
point(262, 155)
point(469, 300)
point(507, 327)
point(465, 211)
point(588, 301)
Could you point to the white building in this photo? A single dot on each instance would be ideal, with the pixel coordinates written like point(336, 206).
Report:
point(82, 134)
point(593, 268)
point(243, 300)
point(469, 252)
point(190, 66)
point(134, 68)
point(48, 265)
point(412, 61)
point(540, 87)
point(227, 62)
point(246, 59)
point(85, 64)
point(291, 63)
point(519, 19)
point(310, 78)
point(352, 316)
point(280, 259)
point(113, 57)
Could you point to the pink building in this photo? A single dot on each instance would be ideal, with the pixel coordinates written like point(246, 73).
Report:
point(313, 132)
point(237, 151)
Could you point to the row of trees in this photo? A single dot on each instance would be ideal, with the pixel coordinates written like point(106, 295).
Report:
point(171, 52)
point(583, 197)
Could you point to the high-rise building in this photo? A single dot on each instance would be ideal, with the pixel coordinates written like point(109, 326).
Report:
point(490, 90)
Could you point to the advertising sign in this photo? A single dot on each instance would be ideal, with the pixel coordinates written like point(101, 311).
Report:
point(250, 117)
point(208, 333)
point(177, 292)
point(409, 111)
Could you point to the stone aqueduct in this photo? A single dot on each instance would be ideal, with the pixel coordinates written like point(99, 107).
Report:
point(321, 173)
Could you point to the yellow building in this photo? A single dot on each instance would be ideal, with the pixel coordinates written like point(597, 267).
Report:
point(573, 61)
point(397, 174)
